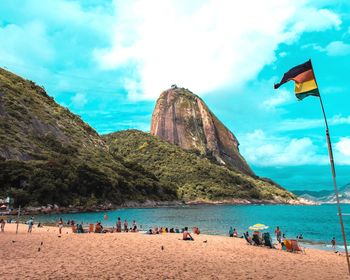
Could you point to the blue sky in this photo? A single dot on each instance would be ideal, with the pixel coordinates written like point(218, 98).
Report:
point(108, 61)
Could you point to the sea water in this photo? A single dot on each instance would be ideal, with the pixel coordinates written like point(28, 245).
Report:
point(318, 224)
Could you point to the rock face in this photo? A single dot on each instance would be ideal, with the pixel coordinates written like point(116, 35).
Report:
point(182, 118)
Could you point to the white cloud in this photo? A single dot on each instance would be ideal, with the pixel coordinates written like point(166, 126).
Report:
point(334, 48)
point(281, 97)
point(261, 149)
point(301, 123)
point(203, 45)
point(343, 146)
point(79, 100)
point(337, 48)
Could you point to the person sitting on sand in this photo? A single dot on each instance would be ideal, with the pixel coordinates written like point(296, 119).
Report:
point(283, 247)
point(134, 226)
point(186, 235)
point(98, 228)
point(196, 230)
point(172, 230)
point(235, 234)
point(2, 225)
point(126, 229)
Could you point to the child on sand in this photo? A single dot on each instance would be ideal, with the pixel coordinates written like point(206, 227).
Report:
point(60, 226)
point(186, 235)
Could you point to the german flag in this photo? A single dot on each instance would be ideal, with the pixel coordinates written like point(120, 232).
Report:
point(304, 78)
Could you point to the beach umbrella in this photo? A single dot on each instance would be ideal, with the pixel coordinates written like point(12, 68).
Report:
point(258, 227)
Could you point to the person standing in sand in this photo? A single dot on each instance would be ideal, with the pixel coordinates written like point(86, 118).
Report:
point(2, 225)
point(119, 225)
point(30, 223)
point(60, 225)
point(334, 243)
point(278, 234)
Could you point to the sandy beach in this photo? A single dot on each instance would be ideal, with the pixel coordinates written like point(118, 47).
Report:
point(45, 255)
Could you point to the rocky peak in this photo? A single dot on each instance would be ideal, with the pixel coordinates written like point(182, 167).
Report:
point(182, 118)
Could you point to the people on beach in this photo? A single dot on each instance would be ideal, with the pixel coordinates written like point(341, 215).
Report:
point(98, 227)
point(278, 234)
point(186, 235)
point(334, 243)
point(230, 232)
point(134, 226)
point(126, 229)
point(60, 225)
point(30, 223)
point(119, 225)
point(235, 234)
point(2, 224)
point(196, 230)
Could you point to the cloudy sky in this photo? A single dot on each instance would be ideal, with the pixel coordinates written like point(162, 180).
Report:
point(108, 61)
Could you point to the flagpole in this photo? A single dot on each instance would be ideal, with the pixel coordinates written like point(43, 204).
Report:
point(330, 153)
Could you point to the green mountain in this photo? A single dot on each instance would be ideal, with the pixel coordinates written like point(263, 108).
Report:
point(194, 176)
point(49, 155)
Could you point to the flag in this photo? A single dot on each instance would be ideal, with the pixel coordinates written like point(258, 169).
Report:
point(304, 78)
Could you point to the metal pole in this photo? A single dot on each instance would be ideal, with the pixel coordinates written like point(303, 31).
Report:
point(330, 152)
point(18, 214)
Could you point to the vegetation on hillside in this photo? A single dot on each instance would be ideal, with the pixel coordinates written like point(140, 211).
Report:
point(195, 177)
point(49, 155)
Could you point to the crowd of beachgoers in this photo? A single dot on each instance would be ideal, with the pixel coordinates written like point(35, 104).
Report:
point(257, 237)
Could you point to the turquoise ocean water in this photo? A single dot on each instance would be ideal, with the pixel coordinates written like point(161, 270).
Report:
point(318, 224)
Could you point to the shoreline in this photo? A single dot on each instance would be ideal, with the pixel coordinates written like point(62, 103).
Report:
point(163, 256)
point(55, 209)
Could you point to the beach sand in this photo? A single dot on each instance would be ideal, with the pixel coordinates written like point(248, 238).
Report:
point(140, 256)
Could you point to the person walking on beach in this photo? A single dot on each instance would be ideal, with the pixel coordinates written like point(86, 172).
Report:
point(60, 226)
point(2, 225)
point(334, 243)
point(278, 234)
point(119, 225)
point(30, 223)
point(126, 229)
